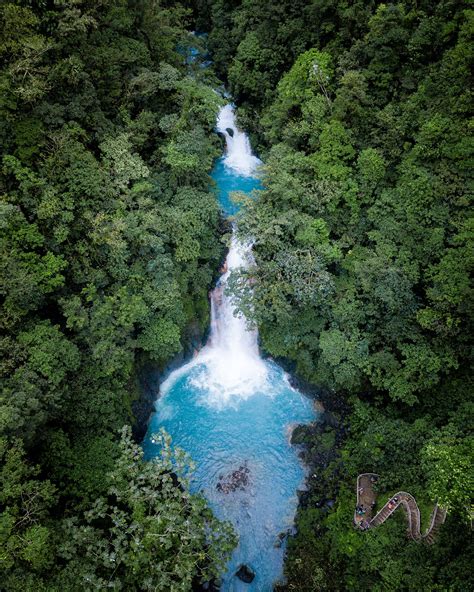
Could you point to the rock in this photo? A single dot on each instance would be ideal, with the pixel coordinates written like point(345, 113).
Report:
point(319, 406)
point(238, 479)
point(299, 435)
point(230, 131)
point(245, 574)
point(281, 539)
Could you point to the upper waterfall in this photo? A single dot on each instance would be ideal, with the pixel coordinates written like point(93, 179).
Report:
point(239, 155)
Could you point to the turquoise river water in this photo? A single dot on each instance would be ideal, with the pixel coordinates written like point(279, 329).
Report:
point(233, 411)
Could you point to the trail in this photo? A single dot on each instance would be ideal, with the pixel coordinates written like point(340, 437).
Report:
point(366, 496)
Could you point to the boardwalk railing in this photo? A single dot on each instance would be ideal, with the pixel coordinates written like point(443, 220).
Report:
point(366, 498)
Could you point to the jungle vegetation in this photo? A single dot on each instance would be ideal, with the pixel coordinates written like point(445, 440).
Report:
point(363, 244)
point(110, 237)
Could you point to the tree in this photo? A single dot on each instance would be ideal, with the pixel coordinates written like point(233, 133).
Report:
point(149, 533)
point(447, 461)
point(25, 502)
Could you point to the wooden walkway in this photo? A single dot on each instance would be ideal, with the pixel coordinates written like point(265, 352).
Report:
point(366, 500)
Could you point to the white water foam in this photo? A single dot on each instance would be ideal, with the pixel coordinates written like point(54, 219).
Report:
point(233, 368)
point(239, 155)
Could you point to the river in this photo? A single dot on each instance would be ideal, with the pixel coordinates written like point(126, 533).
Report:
point(233, 410)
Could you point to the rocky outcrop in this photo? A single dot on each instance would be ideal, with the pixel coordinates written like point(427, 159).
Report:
point(238, 479)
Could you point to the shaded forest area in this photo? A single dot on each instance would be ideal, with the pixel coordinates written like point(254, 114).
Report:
point(110, 237)
point(363, 250)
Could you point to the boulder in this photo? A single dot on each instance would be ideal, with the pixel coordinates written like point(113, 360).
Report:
point(245, 574)
point(238, 479)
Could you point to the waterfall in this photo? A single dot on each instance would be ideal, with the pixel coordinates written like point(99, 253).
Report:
point(239, 155)
point(234, 368)
point(232, 410)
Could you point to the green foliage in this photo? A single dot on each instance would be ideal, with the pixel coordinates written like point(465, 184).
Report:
point(149, 533)
point(145, 531)
point(393, 249)
point(24, 502)
point(447, 460)
point(109, 239)
point(363, 256)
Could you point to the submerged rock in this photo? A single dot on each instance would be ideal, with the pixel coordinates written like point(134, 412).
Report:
point(245, 574)
point(238, 479)
point(212, 586)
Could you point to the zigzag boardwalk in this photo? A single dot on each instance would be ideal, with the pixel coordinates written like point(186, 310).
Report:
point(366, 498)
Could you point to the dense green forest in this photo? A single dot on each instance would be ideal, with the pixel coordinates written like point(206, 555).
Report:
point(109, 241)
point(111, 237)
point(363, 250)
